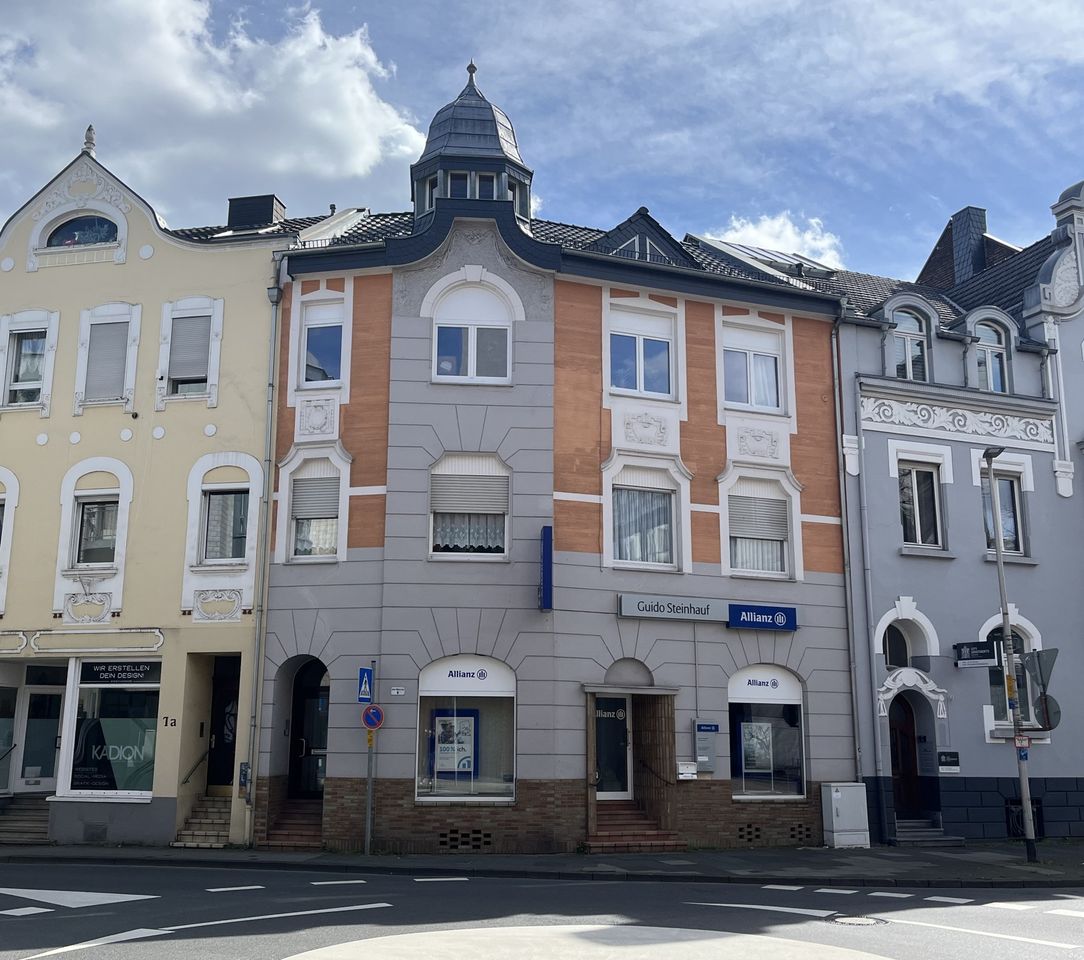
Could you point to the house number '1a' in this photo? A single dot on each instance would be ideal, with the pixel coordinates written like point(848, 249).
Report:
point(169, 721)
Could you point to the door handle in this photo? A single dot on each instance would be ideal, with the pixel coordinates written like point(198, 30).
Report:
point(304, 748)
point(212, 743)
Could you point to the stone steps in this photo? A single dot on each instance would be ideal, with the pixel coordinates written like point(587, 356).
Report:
point(622, 827)
point(25, 820)
point(207, 826)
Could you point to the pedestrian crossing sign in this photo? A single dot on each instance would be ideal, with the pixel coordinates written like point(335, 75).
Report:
point(365, 685)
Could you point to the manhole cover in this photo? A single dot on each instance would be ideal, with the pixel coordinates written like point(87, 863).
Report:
point(858, 921)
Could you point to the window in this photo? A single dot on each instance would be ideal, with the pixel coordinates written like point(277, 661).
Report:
point(759, 530)
point(920, 493)
point(998, 694)
point(458, 185)
point(519, 194)
point(96, 540)
point(896, 648)
point(469, 505)
point(322, 343)
point(643, 525)
point(766, 756)
point(115, 728)
point(640, 364)
point(82, 231)
point(314, 510)
point(430, 193)
point(990, 357)
point(472, 335)
point(466, 730)
point(107, 358)
point(487, 186)
point(1008, 492)
point(225, 529)
point(26, 367)
point(752, 367)
point(189, 349)
point(909, 344)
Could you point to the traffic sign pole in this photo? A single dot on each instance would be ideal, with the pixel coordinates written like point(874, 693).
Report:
point(369, 780)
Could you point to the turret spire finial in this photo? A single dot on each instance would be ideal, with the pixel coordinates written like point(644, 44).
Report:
point(88, 141)
point(471, 71)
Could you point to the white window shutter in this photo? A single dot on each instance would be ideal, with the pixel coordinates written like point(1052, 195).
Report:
point(189, 347)
point(107, 355)
point(457, 494)
point(314, 498)
point(758, 518)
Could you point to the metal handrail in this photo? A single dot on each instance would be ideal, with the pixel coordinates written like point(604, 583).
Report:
point(195, 766)
point(4, 755)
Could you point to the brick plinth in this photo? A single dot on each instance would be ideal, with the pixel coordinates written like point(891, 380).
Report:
point(270, 792)
point(706, 816)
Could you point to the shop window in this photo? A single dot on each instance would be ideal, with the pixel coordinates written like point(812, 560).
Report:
point(766, 753)
point(114, 728)
point(466, 730)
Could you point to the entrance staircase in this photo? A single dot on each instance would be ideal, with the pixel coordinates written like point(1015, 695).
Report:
point(298, 826)
point(208, 826)
point(923, 833)
point(25, 820)
point(622, 827)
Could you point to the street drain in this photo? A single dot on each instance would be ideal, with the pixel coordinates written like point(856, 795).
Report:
point(857, 921)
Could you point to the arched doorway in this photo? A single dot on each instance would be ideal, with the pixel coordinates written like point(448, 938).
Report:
point(903, 740)
point(308, 732)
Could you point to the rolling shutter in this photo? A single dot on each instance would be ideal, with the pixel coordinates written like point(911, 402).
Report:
point(758, 518)
point(107, 356)
point(450, 493)
point(313, 498)
point(189, 346)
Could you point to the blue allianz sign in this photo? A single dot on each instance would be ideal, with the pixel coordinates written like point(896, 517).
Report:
point(749, 616)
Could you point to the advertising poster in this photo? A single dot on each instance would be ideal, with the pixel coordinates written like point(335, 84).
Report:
point(756, 741)
point(455, 744)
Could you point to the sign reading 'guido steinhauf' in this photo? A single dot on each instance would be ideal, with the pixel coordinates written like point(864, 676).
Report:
point(670, 608)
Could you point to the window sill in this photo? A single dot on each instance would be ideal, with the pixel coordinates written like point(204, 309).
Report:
point(21, 406)
point(470, 557)
point(471, 382)
point(936, 553)
point(991, 557)
point(300, 561)
point(110, 402)
point(761, 411)
point(103, 572)
point(757, 798)
point(467, 801)
point(636, 395)
point(178, 397)
point(100, 798)
point(645, 567)
point(109, 245)
point(210, 568)
point(318, 385)
point(758, 575)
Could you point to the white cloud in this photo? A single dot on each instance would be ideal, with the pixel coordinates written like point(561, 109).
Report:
point(188, 118)
point(537, 203)
point(785, 233)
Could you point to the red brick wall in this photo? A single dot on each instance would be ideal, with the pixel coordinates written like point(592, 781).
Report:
point(706, 816)
point(270, 792)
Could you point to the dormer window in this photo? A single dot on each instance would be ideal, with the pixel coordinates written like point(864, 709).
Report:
point(909, 340)
point(430, 193)
point(517, 193)
point(487, 186)
point(83, 231)
point(990, 356)
point(458, 185)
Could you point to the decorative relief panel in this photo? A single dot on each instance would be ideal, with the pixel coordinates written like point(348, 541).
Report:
point(979, 423)
point(758, 442)
point(87, 607)
point(645, 429)
point(765, 441)
point(316, 418)
point(908, 678)
point(1065, 284)
point(216, 606)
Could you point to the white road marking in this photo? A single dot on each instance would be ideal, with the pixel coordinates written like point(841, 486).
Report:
point(780, 886)
point(677, 863)
point(334, 883)
point(834, 890)
point(24, 911)
point(1005, 905)
point(254, 886)
point(74, 898)
point(278, 916)
point(803, 911)
point(978, 933)
point(101, 941)
point(1066, 913)
point(437, 879)
point(889, 893)
point(948, 899)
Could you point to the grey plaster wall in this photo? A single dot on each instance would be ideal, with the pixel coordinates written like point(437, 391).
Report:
point(153, 824)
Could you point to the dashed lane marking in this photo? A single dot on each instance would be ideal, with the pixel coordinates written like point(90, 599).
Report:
point(24, 911)
point(1006, 905)
point(334, 883)
point(833, 890)
point(254, 886)
point(893, 894)
point(780, 886)
point(948, 899)
point(438, 879)
point(802, 911)
point(979, 933)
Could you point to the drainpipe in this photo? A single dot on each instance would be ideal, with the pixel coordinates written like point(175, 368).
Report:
point(867, 580)
point(847, 593)
point(274, 295)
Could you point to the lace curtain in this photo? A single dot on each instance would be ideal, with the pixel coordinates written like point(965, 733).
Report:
point(468, 533)
point(643, 525)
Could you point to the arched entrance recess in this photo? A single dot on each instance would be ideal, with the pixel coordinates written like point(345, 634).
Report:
point(912, 706)
point(308, 732)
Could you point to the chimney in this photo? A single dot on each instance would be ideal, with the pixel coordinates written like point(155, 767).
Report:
point(259, 211)
point(968, 247)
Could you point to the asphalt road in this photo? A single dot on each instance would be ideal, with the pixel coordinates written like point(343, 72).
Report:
point(180, 913)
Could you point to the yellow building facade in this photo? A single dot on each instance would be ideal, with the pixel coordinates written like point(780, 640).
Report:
point(133, 443)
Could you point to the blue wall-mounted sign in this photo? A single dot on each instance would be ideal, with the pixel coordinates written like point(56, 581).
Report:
point(750, 616)
point(545, 574)
point(702, 727)
point(365, 685)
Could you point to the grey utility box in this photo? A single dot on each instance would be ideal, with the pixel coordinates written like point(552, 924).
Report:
point(843, 807)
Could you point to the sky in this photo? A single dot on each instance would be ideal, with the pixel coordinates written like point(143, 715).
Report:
point(847, 130)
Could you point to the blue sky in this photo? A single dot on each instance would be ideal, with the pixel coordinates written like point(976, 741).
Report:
point(848, 130)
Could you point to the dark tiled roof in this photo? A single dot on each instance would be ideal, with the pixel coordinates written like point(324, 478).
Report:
point(717, 261)
point(378, 226)
point(1003, 284)
point(866, 292)
point(282, 228)
point(566, 234)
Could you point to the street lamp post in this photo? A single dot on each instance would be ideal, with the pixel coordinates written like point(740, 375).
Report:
point(1008, 659)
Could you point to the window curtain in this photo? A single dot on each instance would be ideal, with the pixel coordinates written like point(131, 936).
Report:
point(643, 525)
point(468, 532)
point(765, 381)
point(759, 530)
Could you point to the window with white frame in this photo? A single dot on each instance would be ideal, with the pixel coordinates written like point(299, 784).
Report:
point(430, 188)
point(105, 364)
point(314, 509)
point(641, 350)
point(920, 504)
point(321, 343)
point(224, 533)
point(82, 231)
point(909, 345)
point(520, 195)
point(999, 695)
point(644, 513)
point(95, 541)
point(990, 356)
point(26, 367)
point(752, 368)
point(469, 506)
point(472, 336)
point(759, 524)
point(1009, 499)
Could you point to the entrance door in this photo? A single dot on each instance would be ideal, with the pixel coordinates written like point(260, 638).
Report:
point(613, 747)
point(40, 727)
point(225, 689)
point(308, 754)
point(905, 783)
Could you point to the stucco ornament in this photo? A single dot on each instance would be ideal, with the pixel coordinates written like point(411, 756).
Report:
point(317, 418)
point(82, 183)
point(644, 429)
point(955, 420)
point(1065, 284)
point(216, 605)
point(912, 679)
point(758, 442)
point(87, 607)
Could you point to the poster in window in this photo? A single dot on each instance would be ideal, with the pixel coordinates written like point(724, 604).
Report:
point(756, 744)
point(455, 743)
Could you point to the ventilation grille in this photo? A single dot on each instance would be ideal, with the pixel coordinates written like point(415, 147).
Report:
point(801, 832)
point(455, 839)
point(748, 833)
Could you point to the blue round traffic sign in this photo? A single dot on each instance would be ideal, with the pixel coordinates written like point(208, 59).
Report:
point(373, 716)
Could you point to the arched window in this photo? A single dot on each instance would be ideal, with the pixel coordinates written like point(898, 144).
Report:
point(896, 648)
point(83, 231)
point(766, 758)
point(991, 358)
point(472, 336)
point(314, 509)
point(909, 341)
point(469, 505)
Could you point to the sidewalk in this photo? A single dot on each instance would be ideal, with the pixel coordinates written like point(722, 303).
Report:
point(976, 865)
